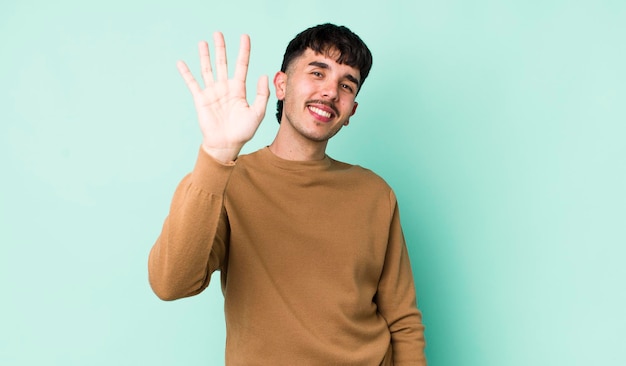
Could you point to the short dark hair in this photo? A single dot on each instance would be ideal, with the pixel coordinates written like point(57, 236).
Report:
point(323, 39)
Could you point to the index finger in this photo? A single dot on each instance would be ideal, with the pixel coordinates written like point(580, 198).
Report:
point(243, 59)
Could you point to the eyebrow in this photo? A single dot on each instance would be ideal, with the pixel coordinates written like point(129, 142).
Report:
point(323, 65)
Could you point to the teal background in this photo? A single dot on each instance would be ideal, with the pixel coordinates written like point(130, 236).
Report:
point(500, 125)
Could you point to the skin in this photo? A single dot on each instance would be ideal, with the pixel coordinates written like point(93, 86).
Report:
point(228, 121)
point(318, 95)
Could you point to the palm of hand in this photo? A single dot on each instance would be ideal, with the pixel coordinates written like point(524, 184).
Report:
point(226, 119)
point(224, 115)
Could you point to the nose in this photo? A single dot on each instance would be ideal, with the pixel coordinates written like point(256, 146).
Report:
point(330, 90)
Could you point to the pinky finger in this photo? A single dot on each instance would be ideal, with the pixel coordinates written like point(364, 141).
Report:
point(191, 82)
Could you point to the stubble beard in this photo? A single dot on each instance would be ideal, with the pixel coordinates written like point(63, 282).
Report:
point(299, 127)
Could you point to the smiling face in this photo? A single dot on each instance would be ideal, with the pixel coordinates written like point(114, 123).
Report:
point(318, 94)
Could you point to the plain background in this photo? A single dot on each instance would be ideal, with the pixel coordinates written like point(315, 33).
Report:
point(500, 125)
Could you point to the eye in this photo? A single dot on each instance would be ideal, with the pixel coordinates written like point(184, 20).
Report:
point(317, 74)
point(347, 87)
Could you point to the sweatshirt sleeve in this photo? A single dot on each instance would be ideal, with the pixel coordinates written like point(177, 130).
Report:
point(193, 240)
point(396, 298)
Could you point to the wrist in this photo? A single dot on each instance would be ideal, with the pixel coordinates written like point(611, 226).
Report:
point(224, 155)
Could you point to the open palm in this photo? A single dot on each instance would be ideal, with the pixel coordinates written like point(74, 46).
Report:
point(226, 119)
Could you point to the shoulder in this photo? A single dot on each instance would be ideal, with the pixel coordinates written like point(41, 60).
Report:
point(362, 176)
point(250, 160)
point(247, 157)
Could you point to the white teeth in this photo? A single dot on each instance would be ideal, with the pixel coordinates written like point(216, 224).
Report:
point(320, 112)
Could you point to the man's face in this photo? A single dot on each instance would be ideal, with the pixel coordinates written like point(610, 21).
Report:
point(318, 95)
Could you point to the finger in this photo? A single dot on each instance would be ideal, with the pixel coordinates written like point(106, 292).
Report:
point(243, 59)
point(220, 57)
point(262, 96)
point(191, 82)
point(205, 63)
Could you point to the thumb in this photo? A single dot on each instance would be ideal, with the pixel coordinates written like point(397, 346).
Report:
point(262, 96)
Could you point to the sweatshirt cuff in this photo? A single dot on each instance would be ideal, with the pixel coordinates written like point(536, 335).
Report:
point(211, 175)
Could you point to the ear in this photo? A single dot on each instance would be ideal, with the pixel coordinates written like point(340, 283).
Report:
point(280, 82)
point(352, 113)
point(354, 109)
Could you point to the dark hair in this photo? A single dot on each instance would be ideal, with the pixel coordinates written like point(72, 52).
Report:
point(323, 39)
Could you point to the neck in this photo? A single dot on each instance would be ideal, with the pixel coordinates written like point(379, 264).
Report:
point(292, 146)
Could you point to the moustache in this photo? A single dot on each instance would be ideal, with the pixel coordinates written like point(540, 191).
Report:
point(326, 103)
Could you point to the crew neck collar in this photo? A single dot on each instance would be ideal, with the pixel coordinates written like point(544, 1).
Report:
point(295, 164)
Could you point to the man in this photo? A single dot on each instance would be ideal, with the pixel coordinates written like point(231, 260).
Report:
point(314, 267)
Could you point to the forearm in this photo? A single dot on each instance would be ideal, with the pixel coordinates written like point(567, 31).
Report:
point(408, 342)
point(405, 319)
point(192, 243)
point(397, 298)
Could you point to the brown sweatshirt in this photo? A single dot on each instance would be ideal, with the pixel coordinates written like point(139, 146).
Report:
point(314, 267)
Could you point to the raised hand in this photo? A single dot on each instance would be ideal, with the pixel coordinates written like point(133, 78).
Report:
point(226, 119)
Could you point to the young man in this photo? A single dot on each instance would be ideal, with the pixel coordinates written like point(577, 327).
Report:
point(314, 267)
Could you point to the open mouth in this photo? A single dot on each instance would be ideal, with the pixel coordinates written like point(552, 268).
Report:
point(320, 112)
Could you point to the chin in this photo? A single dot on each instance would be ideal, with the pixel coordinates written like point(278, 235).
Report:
point(321, 138)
